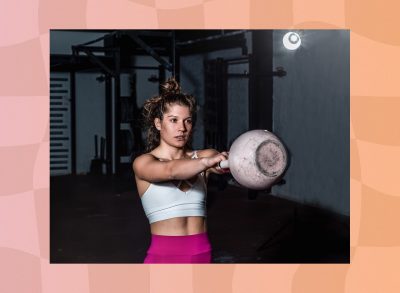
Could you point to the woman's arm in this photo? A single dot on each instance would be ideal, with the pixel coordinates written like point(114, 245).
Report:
point(148, 168)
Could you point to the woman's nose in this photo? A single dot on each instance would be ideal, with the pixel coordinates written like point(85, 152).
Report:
point(182, 126)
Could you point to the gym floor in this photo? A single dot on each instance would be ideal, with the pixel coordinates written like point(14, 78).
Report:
point(99, 219)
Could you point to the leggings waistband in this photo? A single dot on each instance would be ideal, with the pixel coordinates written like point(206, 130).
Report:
point(181, 245)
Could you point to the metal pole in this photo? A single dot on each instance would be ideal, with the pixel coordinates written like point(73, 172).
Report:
point(117, 112)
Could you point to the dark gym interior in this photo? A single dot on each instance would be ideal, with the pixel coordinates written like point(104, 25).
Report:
point(242, 80)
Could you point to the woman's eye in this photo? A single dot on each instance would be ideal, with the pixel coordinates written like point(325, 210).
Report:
point(173, 120)
point(189, 121)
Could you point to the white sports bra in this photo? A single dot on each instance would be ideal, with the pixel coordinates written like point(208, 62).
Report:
point(164, 200)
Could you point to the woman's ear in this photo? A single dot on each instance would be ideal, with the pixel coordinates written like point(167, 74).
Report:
point(157, 123)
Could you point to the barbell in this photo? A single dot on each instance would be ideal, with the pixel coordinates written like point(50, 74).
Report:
point(256, 159)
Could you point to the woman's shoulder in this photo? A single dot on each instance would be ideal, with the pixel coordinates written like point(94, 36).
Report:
point(143, 158)
point(145, 155)
point(206, 153)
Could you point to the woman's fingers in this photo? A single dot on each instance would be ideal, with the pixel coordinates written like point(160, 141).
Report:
point(224, 157)
point(225, 153)
point(213, 161)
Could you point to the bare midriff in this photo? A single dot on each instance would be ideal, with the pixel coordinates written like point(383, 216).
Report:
point(179, 226)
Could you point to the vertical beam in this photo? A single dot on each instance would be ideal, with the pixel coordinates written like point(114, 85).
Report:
point(222, 99)
point(175, 57)
point(161, 76)
point(73, 121)
point(261, 85)
point(216, 104)
point(108, 108)
point(177, 66)
point(117, 113)
point(172, 57)
point(261, 81)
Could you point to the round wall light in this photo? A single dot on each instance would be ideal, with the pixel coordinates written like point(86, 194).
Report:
point(291, 41)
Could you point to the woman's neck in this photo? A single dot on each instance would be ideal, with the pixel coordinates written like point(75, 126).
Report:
point(170, 153)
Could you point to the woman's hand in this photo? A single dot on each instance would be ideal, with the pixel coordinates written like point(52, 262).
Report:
point(213, 161)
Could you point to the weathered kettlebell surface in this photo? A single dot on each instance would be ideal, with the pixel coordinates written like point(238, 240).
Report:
point(257, 158)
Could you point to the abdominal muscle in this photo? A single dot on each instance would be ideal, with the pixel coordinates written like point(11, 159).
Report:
point(181, 226)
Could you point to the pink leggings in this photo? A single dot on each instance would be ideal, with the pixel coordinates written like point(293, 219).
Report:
point(179, 249)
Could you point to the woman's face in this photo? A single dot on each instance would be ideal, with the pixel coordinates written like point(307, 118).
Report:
point(176, 126)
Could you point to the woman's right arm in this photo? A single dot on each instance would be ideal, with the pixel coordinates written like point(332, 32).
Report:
point(148, 168)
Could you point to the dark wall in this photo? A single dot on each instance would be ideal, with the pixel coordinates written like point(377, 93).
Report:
point(311, 115)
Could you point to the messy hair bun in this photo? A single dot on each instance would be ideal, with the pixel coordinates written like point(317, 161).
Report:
point(156, 106)
point(171, 86)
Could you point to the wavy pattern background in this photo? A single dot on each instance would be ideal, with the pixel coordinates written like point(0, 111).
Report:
point(24, 150)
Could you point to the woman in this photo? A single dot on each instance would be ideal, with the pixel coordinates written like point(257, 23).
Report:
point(171, 179)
